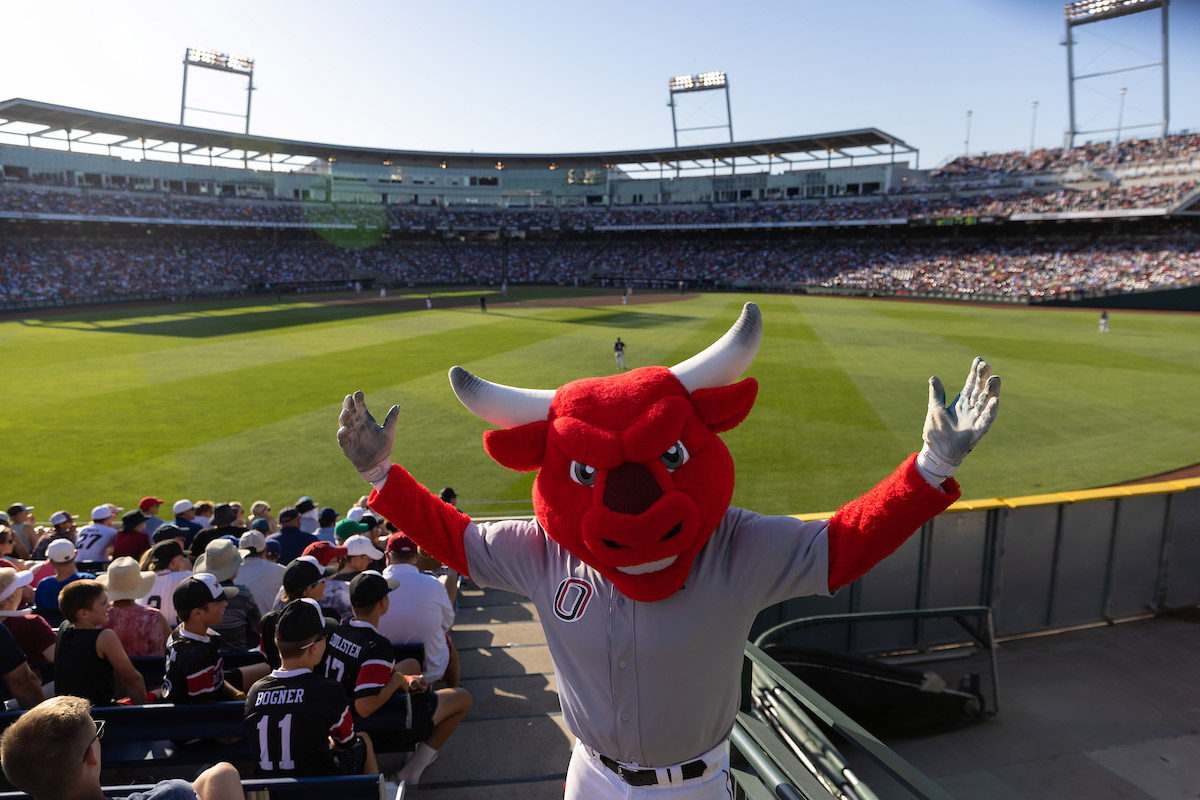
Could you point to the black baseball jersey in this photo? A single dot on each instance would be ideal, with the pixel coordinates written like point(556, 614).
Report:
point(195, 669)
point(359, 658)
point(289, 717)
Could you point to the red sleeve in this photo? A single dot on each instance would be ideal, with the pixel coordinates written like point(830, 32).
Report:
point(433, 524)
point(343, 731)
point(867, 530)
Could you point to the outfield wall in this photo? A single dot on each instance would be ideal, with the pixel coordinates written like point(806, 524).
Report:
point(1042, 563)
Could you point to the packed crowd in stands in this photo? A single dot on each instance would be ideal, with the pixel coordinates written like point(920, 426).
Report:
point(1059, 159)
point(355, 606)
point(77, 269)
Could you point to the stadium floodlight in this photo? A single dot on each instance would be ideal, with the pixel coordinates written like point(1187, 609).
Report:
point(221, 62)
point(1084, 12)
point(700, 82)
point(1091, 10)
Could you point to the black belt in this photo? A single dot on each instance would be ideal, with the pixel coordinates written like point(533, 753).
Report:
point(649, 777)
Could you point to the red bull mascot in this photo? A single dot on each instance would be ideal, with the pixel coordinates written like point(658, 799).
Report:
point(645, 579)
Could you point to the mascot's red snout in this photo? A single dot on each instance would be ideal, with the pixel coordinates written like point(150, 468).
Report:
point(631, 479)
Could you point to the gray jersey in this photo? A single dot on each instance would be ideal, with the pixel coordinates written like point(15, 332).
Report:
point(653, 683)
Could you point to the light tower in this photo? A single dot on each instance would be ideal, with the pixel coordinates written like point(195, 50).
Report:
point(222, 62)
point(1084, 12)
point(703, 82)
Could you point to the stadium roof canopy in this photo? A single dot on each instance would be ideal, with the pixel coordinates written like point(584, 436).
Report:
point(46, 124)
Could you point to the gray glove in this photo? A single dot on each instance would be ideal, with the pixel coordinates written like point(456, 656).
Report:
point(365, 443)
point(951, 431)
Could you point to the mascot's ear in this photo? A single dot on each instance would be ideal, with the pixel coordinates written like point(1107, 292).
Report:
point(725, 407)
point(520, 448)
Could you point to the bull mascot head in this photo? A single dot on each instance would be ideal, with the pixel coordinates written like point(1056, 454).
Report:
point(632, 479)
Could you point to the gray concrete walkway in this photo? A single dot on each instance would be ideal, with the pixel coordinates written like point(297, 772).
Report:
point(513, 743)
point(1111, 712)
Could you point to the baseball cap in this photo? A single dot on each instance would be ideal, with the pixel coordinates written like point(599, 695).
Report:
point(288, 514)
point(261, 525)
point(325, 552)
point(181, 506)
point(448, 494)
point(132, 519)
point(362, 546)
point(328, 517)
point(399, 543)
point(300, 621)
point(149, 500)
point(198, 590)
point(4, 520)
point(355, 513)
point(370, 520)
point(369, 587)
point(18, 508)
point(348, 527)
point(302, 573)
point(273, 547)
point(220, 559)
point(252, 542)
point(168, 532)
point(163, 552)
point(305, 505)
point(60, 551)
point(59, 517)
point(103, 512)
point(223, 515)
point(20, 579)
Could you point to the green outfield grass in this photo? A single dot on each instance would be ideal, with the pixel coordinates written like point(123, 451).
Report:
point(240, 400)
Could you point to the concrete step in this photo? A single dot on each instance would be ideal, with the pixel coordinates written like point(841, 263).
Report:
point(521, 695)
point(493, 634)
point(500, 758)
point(501, 661)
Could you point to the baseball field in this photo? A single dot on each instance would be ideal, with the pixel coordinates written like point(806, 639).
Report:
point(239, 400)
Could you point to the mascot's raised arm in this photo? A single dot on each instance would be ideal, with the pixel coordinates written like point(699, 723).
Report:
point(645, 579)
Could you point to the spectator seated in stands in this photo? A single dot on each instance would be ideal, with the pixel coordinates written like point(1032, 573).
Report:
point(310, 518)
point(241, 622)
point(195, 670)
point(8, 543)
point(41, 757)
point(336, 601)
point(149, 506)
point(261, 509)
point(132, 540)
point(292, 540)
point(95, 540)
point(297, 722)
point(32, 633)
point(362, 660)
point(223, 519)
point(23, 689)
point(171, 567)
point(361, 554)
point(419, 610)
point(326, 521)
point(185, 520)
point(90, 661)
point(64, 528)
point(61, 555)
point(263, 578)
point(143, 630)
point(304, 578)
point(20, 518)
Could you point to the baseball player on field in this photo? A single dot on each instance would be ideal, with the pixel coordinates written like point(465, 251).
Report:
point(645, 579)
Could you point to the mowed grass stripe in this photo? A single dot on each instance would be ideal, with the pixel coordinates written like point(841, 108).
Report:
point(842, 396)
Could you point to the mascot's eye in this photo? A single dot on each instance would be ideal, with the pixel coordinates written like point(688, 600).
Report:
point(675, 457)
point(583, 474)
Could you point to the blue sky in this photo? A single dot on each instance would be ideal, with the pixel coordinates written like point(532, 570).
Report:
point(561, 77)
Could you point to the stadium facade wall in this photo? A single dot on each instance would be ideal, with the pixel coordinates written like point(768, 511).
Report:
point(403, 185)
point(1041, 563)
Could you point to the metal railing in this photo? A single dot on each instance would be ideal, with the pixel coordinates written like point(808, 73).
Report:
point(778, 749)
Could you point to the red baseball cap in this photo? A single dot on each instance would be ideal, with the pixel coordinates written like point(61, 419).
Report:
point(324, 552)
point(148, 501)
point(399, 543)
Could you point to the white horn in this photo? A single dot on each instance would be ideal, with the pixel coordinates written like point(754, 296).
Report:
point(725, 359)
point(506, 406)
